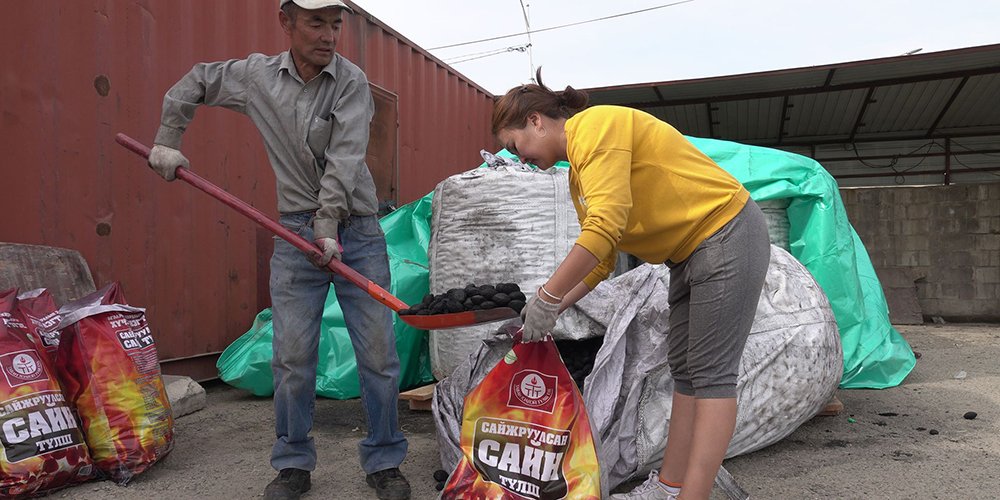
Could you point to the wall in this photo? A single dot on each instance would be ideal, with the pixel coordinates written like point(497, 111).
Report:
point(73, 73)
point(948, 237)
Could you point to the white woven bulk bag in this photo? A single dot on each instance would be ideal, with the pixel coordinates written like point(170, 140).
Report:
point(790, 368)
point(492, 225)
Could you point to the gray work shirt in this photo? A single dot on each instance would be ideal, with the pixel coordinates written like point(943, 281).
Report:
point(315, 133)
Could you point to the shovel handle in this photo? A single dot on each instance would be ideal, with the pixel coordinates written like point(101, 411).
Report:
point(186, 175)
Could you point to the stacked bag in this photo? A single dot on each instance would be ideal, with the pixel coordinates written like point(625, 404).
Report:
point(81, 394)
point(505, 223)
point(43, 445)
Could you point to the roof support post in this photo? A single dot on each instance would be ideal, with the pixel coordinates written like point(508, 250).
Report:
point(947, 106)
point(947, 161)
point(784, 118)
point(861, 114)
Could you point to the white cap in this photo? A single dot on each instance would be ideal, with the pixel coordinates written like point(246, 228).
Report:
point(317, 4)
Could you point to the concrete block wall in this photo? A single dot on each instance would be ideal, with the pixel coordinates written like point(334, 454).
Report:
point(948, 237)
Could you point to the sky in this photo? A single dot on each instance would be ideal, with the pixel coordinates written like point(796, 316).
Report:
point(701, 38)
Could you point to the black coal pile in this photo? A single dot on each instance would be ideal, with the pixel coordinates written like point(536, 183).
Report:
point(470, 298)
point(579, 356)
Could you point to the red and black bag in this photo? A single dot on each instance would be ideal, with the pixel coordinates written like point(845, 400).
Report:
point(43, 445)
point(41, 314)
point(111, 373)
point(525, 433)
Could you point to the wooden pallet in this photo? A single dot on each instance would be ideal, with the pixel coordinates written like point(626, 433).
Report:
point(419, 398)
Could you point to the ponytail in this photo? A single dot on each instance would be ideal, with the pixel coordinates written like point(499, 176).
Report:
point(512, 110)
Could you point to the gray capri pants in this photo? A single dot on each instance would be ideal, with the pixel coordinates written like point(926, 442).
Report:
point(713, 299)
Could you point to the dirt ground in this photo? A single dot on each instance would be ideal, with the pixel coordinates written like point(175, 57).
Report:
point(906, 442)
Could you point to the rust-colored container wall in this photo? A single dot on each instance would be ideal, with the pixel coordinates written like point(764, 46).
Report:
point(76, 72)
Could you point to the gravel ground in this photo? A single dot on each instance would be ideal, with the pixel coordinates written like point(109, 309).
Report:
point(906, 442)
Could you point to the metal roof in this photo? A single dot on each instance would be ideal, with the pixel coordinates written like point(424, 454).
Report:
point(953, 93)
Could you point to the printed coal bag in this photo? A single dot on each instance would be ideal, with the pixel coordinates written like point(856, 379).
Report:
point(110, 371)
point(525, 433)
point(41, 315)
point(43, 446)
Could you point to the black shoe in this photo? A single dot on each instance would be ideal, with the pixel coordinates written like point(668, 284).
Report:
point(289, 485)
point(389, 484)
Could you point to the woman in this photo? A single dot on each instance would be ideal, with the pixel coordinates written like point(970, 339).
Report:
point(639, 186)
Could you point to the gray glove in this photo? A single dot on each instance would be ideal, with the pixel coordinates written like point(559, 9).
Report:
point(331, 250)
point(164, 160)
point(539, 319)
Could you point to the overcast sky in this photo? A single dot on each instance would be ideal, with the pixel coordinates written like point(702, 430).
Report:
point(701, 38)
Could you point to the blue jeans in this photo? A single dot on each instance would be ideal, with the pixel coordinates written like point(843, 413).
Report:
point(298, 295)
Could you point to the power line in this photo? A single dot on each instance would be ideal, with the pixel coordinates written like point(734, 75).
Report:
point(530, 31)
point(480, 55)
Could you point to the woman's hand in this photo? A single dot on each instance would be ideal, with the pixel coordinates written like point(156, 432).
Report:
point(539, 318)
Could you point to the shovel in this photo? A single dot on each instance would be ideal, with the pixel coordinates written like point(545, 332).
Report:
point(428, 322)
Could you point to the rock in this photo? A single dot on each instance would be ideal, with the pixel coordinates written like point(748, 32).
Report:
point(186, 396)
point(440, 475)
point(969, 415)
point(933, 432)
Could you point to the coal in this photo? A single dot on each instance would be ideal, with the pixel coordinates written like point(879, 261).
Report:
point(579, 356)
point(472, 297)
point(970, 415)
point(439, 486)
point(440, 475)
point(933, 432)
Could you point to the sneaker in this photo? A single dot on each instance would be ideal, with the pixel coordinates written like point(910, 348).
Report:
point(289, 485)
point(389, 484)
point(649, 490)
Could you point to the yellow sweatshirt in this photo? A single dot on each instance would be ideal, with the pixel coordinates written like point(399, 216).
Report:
point(639, 186)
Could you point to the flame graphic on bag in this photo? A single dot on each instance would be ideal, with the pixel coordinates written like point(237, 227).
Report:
point(525, 433)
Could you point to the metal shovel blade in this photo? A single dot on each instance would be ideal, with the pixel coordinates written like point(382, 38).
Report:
point(454, 320)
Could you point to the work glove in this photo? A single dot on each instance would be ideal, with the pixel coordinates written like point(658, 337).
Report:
point(164, 160)
point(539, 318)
point(331, 250)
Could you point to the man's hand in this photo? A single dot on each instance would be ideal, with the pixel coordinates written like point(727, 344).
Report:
point(539, 318)
point(165, 160)
point(331, 250)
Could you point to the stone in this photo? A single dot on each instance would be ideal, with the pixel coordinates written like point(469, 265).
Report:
point(186, 396)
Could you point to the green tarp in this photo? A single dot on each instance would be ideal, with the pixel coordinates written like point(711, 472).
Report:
point(246, 363)
point(820, 236)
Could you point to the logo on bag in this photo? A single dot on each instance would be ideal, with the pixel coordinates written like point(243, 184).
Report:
point(533, 390)
point(22, 367)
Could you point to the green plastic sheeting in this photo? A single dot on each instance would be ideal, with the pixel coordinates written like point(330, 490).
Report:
point(875, 355)
point(246, 363)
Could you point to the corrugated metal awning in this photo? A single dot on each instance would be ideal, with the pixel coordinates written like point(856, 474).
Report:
point(953, 93)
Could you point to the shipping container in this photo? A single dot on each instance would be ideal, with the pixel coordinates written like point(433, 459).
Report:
point(74, 73)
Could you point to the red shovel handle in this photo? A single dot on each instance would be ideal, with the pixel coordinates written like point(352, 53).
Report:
point(377, 292)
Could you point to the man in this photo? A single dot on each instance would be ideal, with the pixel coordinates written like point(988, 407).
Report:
point(313, 108)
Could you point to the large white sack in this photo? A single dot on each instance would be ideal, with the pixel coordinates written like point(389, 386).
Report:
point(790, 368)
point(503, 224)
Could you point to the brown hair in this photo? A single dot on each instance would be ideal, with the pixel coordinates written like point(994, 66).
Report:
point(512, 110)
